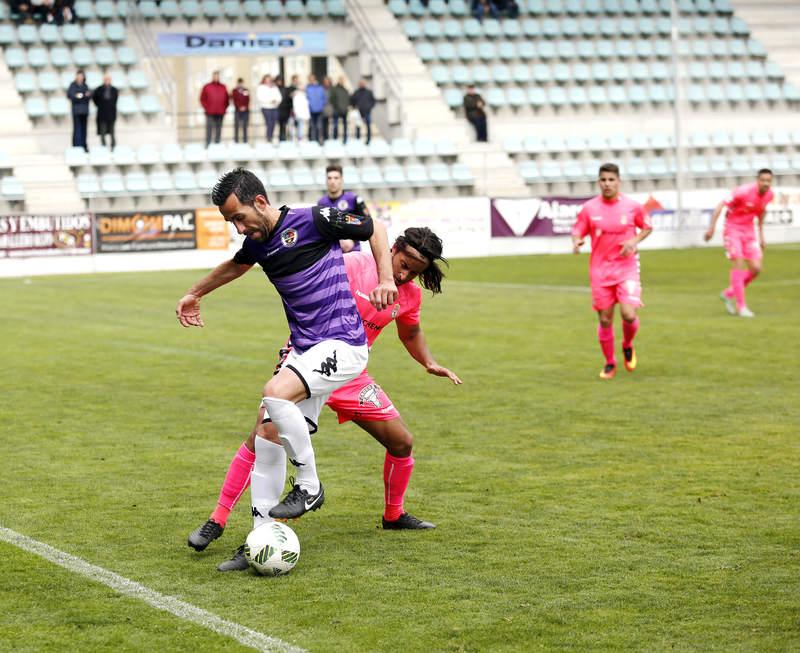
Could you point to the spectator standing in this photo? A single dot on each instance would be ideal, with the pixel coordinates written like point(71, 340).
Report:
point(269, 99)
point(79, 95)
point(301, 111)
point(474, 110)
point(339, 98)
point(241, 110)
point(214, 98)
point(105, 98)
point(285, 107)
point(483, 8)
point(317, 98)
point(364, 101)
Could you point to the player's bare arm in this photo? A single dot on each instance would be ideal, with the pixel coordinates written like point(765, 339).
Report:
point(709, 234)
point(385, 293)
point(629, 246)
point(577, 243)
point(188, 309)
point(414, 341)
point(762, 243)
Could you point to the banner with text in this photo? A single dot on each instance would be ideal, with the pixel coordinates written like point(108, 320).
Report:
point(146, 231)
point(45, 235)
point(212, 230)
point(537, 216)
point(220, 44)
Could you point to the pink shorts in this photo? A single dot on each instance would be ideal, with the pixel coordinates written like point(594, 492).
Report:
point(362, 400)
point(626, 292)
point(742, 244)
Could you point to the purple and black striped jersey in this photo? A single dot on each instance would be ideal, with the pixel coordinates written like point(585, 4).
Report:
point(302, 258)
point(347, 201)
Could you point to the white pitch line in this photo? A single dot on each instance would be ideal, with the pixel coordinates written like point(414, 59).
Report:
point(128, 587)
point(520, 286)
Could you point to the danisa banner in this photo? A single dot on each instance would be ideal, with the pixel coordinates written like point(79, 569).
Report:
point(537, 216)
point(45, 235)
point(241, 43)
point(146, 231)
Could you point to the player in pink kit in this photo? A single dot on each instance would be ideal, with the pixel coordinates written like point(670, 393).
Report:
point(745, 251)
point(612, 221)
point(362, 401)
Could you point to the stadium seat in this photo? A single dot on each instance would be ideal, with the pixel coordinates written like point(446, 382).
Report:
point(147, 155)
point(272, 9)
point(104, 57)
point(439, 174)
point(50, 82)
point(150, 105)
point(481, 74)
point(401, 148)
point(394, 175)
point(105, 9)
point(83, 57)
point(294, 9)
point(378, 148)
point(25, 83)
point(127, 56)
point(123, 155)
point(472, 29)
point(88, 185)
point(115, 32)
point(35, 108)
point(112, 183)
point(61, 58)
point(412, 29)
point(517, 98)
point(161, 182)
point(232, 9)
point(520, 73)
point(371, 177)
point(169, 10)
point(127, 105)
point(184, 180)
point(417, 174)
point(38, 58)
point(136, 183)
point(59, 107)
point(211, 9)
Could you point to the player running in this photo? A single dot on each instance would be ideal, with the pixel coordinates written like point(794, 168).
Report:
point(612, 220)
point(415, 253)
point(341, 199)
point(745, 204)
point(299, 252)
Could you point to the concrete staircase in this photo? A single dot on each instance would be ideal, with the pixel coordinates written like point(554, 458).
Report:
point(775, 23)
point(416, 103)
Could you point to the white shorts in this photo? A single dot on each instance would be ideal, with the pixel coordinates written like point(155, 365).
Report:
point(327, 366)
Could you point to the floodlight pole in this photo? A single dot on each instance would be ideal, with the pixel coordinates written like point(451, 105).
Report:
point(676, 113)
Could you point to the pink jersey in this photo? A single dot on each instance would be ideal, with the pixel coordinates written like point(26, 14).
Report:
point(363, 278)
point(611, 223)
point(745, 204)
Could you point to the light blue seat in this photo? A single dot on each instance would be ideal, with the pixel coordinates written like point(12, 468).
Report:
point(127, 56)
point(737, 48)
point(127, 105)
point(662, 49)
point(637, 95)
point(25, 82)
point(59, 107)
point(557, 96)
point(721, 139)
point(84, 9)
point(772, 71)
point(315, 9)
point(658, 94)
point(50, 82)
point(440, 75)
point(123, 156)
point(740, 164)
point(496, 97)
point(513, 145)
point(100, 157)
point(453, 98)
point(147, 155)
point(578, 96)
point(371, 177)
point(608, 28)
point(501, 74)
point(608, 50)
point(511, 29)
point(104, 57)
point(661, 141)
point(617, 95)
point(115, 32)
point(458, 8)
point(520, 73)
point(550, 28)
point(646, 27)
point(417, 8)
point(529, 171)
point(184, 180)
point(446, 51)
point(627, 28)
point(536, 96)
point(481, 74)
point(526, 50)
point(150, 105)
point(734, 70)
point(701, 48)
point(93, 33)
point(697, 70)
point(659, 71)
point(83, 57)
point(137, 80)
point(232, 9)
point(472, 29)
point(585, 50)
point(550, 171)
point(412, 29)
point(487, 51)
point(773, 92)
point(639, 71)
point(565, 49)
point(547, 50)
point(136, 183)
point(698, 165)
point(425, 148)
point(439, 174)
point(7, 35)
point(600, 72)
point(756, 49)
point(506, 51)
point(702, 26)
point(541, 73)
point(431, 29)
point(734, 92)
point(105, 9)
point(27, 35)
point(112, 183)
point(149, 9)
point(438, 8)
point(791, 92)
point(461, 175)
point(700, 139)
point(491, 29)
point(658, 168)
point(620, 72)
point(715, 93)
point(38, 58)
point(336, 9)
point(452, 29)
point(597, 95)
point(161, 182)
point(531, 28)
point(417, 174)
point(561, 73)
point(88, 185)
point(394, 175)
point(461, 75)
point(570, 28)
point(401, 148)
point(739, 27)
point(426, 51)
point(196, 153)
point(467, 51)
point(533, 144)
point(718, 48)
point(171, 154)
point(169, 10)
point(596, 143)
point(190, 9)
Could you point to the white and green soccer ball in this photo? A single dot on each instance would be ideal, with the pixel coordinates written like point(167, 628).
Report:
point(272, 549)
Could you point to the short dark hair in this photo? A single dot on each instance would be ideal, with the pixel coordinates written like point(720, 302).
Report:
point(333, 167)
point(764, 171)
point(242, 183)
point(429, 245)
point(608, 167)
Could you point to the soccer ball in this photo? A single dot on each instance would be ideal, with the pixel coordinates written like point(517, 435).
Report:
point(272, 549)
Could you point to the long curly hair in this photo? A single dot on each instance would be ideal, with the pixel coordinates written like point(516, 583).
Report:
point(429, 245)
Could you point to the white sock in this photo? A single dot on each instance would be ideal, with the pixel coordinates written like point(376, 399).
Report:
point(293, 432)
point(267, 479)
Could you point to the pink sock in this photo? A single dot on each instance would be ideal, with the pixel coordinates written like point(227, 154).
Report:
point(629, 330)
point(737, 283)
point(236, 481)
point(606, 337)
point(748, 278)
point(396, 475)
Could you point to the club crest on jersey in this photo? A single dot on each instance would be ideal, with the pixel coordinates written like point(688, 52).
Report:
point(369, 395)
point(342, 205)
point(289, 237)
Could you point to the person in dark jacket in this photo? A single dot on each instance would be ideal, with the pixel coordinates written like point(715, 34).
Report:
point(474, 110)
point(79, 94)
point(340, 102)
point(214, 98)
point(241, 108)
point(105, 98)
point(364, 101)
point(285, 107)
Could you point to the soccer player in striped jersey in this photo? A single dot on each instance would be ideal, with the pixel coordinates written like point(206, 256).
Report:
point(344, 200)
point(299, 251)
point(745, 250)
point(616, 225)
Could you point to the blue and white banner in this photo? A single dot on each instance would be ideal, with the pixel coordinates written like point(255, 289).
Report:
point(241, 43)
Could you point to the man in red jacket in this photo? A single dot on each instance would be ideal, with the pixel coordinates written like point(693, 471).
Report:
point(214, 98)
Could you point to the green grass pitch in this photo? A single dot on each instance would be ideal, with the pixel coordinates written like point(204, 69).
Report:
point(659, 511)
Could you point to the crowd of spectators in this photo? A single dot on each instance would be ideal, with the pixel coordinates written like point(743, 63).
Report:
point(56, 12)
point(314, 111)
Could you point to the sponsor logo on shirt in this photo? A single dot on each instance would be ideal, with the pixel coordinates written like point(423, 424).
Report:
point(597, 217)
point(349, 218)
point(289, 237)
